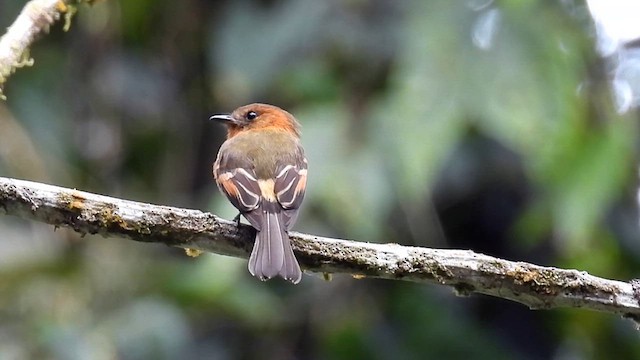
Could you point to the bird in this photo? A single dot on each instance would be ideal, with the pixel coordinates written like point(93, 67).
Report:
point(262, 169)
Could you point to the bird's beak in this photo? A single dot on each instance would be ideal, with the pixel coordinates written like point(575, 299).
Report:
point(222, 117)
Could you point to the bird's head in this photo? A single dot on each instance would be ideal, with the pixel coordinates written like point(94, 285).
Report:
point(258, 116)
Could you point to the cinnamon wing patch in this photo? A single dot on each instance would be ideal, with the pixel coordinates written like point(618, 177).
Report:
point(241, 187)
point(290, 186)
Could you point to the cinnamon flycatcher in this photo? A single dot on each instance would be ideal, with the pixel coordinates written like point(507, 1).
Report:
point(262, 170)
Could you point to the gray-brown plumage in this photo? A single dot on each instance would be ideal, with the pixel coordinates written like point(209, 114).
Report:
point(262, 170)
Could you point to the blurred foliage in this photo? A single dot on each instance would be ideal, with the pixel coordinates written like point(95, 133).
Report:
point(475, 124)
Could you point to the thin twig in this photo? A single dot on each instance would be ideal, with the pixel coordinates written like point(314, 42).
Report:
point(36, 17)
point(467, 272)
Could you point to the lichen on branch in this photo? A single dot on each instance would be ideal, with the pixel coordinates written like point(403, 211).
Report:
point(36, 18)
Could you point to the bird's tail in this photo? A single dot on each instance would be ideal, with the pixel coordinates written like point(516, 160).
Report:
point(272, 254)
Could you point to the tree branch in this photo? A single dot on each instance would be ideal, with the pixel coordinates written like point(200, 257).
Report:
point(36, 17)
point(535, 286)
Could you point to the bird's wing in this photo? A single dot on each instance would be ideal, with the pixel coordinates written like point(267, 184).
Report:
point(290, 185)
point(238, 182)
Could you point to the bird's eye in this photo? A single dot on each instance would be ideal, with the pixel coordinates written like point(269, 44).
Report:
point(251, 115)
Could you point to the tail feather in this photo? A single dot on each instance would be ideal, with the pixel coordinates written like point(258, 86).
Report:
point(272, 254)
point(291, 270)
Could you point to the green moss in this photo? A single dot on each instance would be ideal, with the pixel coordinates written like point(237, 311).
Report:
point(108, 217)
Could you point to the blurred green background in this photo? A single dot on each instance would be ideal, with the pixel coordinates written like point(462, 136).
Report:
point(452, 124)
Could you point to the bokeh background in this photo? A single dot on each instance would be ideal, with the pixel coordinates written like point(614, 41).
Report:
point(484, 125)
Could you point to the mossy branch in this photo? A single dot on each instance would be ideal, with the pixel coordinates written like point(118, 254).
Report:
point(467, 272)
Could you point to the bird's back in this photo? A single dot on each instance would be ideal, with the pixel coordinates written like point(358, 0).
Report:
point(273, 148)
